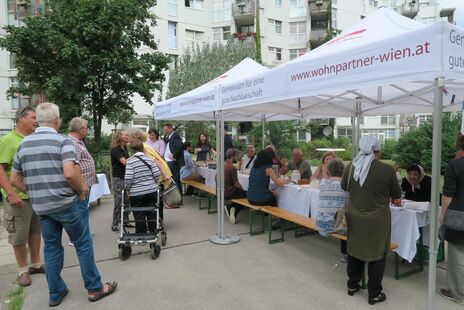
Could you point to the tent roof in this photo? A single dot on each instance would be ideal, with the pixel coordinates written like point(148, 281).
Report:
point(387, 63)
point(200, 103)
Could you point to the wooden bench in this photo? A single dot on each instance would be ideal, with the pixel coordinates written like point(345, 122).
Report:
point(254, 211)
point(298, 220)
point(202, 188)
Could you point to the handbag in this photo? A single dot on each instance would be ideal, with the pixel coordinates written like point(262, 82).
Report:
point(341, 226)
point(171, 195)
point(454, 220)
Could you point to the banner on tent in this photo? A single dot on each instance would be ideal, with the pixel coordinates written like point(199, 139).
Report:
point(454, 50)
point(392, 58)
point(252, 89)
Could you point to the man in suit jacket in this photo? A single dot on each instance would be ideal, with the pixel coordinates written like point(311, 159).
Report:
point(174, 155)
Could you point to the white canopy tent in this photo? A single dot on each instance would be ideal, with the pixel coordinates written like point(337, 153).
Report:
point(386, 64)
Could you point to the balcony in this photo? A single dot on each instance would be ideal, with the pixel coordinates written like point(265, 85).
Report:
point(410, 9)
point(244, 12)
point(318, 9)
point(318, 37)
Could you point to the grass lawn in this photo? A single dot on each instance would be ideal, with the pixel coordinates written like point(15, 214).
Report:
point(15, 298)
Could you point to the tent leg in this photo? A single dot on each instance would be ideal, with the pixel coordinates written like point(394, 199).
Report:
point(221, 238)
point(436, 169)
point(263, 125)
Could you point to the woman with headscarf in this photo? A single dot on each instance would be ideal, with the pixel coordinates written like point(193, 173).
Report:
point(416, 185)
point(371, 187)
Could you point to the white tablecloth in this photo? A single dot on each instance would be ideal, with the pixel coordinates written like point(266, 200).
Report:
point(99, 189)
point(305, 201)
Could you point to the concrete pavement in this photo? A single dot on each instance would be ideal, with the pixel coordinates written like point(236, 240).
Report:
point(192, 273)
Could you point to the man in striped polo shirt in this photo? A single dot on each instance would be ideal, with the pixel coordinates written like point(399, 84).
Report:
point(46, 167)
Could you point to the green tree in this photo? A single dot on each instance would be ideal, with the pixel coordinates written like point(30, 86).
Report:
point(88, 56)
point(117, 117)
point(415, 146)
point(198, 66)
point(202, 63)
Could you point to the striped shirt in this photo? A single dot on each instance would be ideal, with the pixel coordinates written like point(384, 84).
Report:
point(140, 180)
point(40, 160)
point(86, 162)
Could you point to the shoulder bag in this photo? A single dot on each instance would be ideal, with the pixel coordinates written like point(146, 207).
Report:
point(341, 226)
point(171, 195)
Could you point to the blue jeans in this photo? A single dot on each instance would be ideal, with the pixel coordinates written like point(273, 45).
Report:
point(75, 222)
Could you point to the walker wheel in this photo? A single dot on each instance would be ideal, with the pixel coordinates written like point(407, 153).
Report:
point(155, 251)
point(164, 238)
point(125, 252)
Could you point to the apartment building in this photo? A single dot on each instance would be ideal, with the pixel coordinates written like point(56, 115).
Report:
point(289, 28)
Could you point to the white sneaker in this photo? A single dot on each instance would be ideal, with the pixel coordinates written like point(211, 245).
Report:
point(343, 258)
point(226, 209)
point(232, 215)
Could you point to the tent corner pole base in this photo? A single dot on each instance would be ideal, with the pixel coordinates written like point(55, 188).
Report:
point(227, 239)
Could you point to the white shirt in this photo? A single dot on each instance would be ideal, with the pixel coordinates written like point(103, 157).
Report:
point(167, 152)
point(245, 161)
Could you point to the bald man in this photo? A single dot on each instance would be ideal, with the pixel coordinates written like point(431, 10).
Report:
point(300, 164)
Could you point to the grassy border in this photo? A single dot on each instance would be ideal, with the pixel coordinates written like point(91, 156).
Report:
point(16, 298)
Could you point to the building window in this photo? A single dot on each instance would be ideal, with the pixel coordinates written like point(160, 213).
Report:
point(388, 120)
point(298, 8)
point(390, 134)
point(12, 57)
point(173, 63)
point(294, 53)
point(276, 53)
point(301, 135)
point(347, 133)
point(18, 101)
point(222, 10)
point(247, 28)
point(194, 4)
point(423, 118)
point(172, 35)
point(221, 34)
point(298, 33)
point(194, 35)
point(278, 3)
point(10, 9)
point(277, 24)
point(373, 3)
point(334, 18)
point(334, 2)
point(172, 7)
point(324, 121)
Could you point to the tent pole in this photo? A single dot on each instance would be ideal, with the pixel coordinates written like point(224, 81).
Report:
point(356, 127)
point(353, 137)
point(436, 169)
point(263, 125)
point(221, 238)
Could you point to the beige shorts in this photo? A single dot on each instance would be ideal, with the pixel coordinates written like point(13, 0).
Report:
point(20, 222)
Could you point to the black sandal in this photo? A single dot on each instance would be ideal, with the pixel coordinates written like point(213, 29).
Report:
point(96, 296)
point(351, 291)
point(379, 298)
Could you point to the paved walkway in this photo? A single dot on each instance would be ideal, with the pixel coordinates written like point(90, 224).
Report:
point(192, 273)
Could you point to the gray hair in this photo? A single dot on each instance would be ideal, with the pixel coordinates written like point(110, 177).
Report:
point(77, 123)
point(47, 113)
point(336, 167)
point(231, 153)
